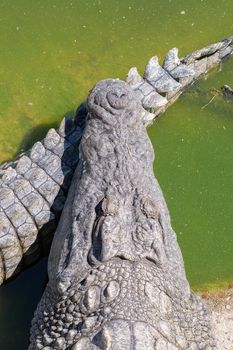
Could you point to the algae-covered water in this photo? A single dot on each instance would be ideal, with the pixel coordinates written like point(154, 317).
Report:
point(52, 52)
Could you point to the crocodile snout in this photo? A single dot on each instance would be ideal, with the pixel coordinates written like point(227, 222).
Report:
point(118, 98)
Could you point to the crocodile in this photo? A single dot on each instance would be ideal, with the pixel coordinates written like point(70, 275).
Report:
point(116, 273)
point(34, 187)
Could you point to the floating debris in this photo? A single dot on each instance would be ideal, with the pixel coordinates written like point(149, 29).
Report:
point(207, 104)
point(227, 91)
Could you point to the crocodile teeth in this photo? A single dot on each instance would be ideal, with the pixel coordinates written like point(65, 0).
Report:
point(173, 65)
point(159, 78)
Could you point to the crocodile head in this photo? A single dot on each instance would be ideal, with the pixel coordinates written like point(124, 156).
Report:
point(116, 274)
point(114, 102)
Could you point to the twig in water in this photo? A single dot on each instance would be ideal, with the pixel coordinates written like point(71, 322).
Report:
point(203, 107)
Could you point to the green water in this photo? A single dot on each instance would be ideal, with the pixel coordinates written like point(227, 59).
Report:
point(52, 52)
point(194, 164)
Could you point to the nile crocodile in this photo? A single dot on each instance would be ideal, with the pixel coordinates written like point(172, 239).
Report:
point(116, 273)
point(34, 187)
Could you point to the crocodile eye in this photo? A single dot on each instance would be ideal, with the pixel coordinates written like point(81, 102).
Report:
point(109, 205)
point(149, 208)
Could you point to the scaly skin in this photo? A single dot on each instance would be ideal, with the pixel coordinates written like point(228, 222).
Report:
point(33, 188)
point(33, 191)
point(116, 274)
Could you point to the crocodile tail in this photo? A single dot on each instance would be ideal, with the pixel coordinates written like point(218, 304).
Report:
point(33, 190)
point(160, 86)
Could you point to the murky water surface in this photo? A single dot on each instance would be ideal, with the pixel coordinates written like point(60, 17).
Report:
point(52, 52)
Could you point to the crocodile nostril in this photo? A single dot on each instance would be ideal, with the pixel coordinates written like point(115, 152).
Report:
point(119, 94)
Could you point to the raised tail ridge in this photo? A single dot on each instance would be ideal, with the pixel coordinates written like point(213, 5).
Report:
point(161, 85)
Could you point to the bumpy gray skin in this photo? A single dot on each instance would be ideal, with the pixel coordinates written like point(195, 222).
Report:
point(116, 274)
point(33, 191)
point(33, 188)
